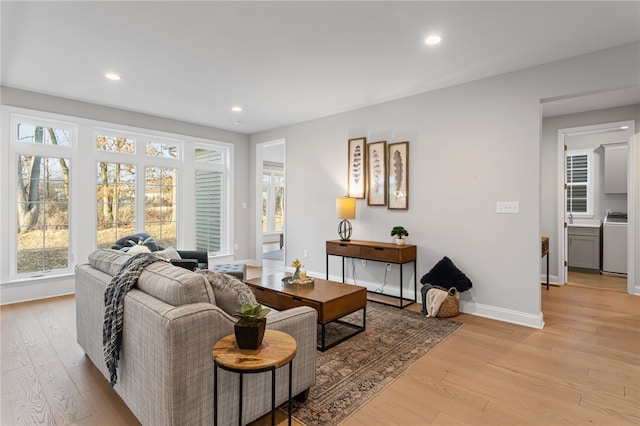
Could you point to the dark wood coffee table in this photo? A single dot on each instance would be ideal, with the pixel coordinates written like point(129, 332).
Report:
point(332, 300)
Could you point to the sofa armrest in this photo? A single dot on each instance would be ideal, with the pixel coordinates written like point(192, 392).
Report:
point(202, 256)
point(302, 324)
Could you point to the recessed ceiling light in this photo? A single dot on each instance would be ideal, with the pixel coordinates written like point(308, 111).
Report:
point(433, 39)
point(112, 76)
point(236, 108)
point(624, 127)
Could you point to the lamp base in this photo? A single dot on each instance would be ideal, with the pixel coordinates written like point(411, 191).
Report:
point(344, 230)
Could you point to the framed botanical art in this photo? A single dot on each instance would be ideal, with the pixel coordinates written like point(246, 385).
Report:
point(357, 167)
point(377, 173)
point(398, 176)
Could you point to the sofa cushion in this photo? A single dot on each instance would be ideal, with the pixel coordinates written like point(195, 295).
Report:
point(172, 285)
point(108, 261)
point(230, 293)
point(175, 286)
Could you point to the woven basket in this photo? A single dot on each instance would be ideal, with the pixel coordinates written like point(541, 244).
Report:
point(450, 307)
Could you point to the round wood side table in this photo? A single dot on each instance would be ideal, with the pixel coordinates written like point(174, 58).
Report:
point(276, 350)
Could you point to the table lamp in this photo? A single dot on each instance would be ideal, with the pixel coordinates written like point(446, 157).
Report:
point(345, 209)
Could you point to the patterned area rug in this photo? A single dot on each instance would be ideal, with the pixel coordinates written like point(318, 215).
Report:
point(351, 373)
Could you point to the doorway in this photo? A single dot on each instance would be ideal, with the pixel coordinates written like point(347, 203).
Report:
point(586, 202)
point(270, 203)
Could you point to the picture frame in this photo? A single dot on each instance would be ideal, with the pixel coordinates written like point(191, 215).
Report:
point(398, 176)
point(377, 173)
point(357, 170)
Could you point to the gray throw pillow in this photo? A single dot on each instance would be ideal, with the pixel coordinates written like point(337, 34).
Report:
point(168, 253)
point(230, 293)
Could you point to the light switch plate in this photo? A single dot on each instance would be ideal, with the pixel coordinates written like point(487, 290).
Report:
point(508, 207)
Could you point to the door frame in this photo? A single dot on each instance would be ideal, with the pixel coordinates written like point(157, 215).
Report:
point(562, 245)
point(258, 191)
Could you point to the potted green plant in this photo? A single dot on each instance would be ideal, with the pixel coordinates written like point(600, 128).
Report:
point(399, 232)
point(249, 329)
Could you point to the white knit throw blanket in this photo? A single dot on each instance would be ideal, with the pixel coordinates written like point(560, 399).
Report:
point(435, 297)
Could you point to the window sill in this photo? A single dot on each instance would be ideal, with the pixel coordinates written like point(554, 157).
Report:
point(42, 277)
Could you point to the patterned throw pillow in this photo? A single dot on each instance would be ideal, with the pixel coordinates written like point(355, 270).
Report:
point(230, 293)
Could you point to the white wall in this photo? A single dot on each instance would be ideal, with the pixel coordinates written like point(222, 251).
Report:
point(549, 166)
point(38, 288)
point(470, 146)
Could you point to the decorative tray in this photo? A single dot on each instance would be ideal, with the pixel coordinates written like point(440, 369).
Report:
point(307, 282)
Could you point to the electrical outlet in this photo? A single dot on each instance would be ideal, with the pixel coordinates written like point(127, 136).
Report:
point(388, 267)
point(608, 212)
point(363, 262)
point(305, 253)
point(235, 246)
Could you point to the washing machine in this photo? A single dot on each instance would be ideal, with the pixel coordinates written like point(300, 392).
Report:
point(614, 243)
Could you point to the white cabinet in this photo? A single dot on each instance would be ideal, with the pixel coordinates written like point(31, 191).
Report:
point(615, 168)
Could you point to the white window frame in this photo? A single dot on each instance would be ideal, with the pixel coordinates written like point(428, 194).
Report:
point(82, 190)
point(52, 151)
point(140, 160)
point(590, 183)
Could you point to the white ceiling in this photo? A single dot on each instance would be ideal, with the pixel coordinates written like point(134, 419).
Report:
point(287, 62)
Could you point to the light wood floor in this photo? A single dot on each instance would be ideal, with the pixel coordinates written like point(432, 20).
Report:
point(582, 368)
point(602, 282)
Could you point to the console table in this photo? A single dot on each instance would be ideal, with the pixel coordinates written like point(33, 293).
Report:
point(377, 252)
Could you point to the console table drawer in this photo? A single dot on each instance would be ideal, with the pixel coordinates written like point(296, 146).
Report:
point(343, 249)
point(381, 253)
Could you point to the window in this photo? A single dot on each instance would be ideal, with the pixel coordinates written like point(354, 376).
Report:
point(116, 198)
point(121, 196)
point(579, 183)
point(42, 196)
point(272, 201)
point(211, 164)
point(73, 185)
point(160, 205)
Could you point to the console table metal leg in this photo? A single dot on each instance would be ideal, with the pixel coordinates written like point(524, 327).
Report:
point(327, 260)
point(547, 271)
point(415, 282)
point(401, 299)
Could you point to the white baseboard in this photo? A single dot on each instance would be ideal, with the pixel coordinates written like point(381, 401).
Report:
point(471, 308)
point(553, 279)
point(501, 314)
point(35, 289)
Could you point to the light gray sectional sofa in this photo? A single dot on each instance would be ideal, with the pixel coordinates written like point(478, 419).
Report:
point(171, 322)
